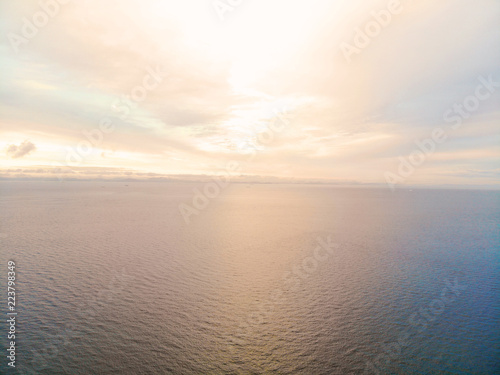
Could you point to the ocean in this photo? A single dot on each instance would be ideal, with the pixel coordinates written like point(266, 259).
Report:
point(260, 279)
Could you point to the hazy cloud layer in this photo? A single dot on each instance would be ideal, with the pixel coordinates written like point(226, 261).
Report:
point(185, 92)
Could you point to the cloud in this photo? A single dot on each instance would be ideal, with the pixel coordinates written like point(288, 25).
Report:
point(23, 149)
point(222, 82)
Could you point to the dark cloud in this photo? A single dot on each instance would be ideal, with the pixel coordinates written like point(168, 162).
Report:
point(23, 149)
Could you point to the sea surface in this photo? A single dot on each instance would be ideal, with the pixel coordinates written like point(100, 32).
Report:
point(266, 279)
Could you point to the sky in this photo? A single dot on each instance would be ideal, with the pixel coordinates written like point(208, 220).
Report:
point(349, 91)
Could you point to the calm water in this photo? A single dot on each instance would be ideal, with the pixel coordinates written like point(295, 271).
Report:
point(111, 280)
